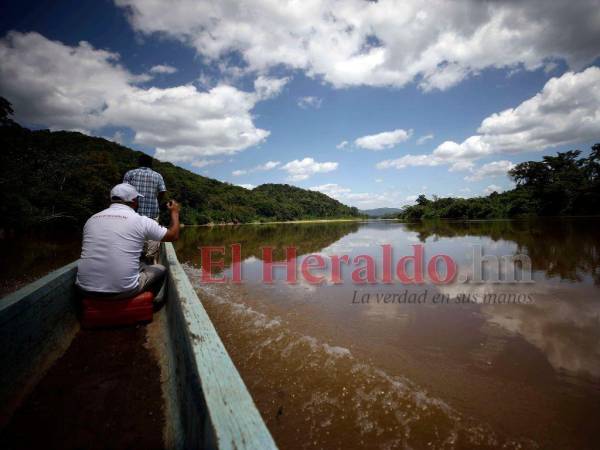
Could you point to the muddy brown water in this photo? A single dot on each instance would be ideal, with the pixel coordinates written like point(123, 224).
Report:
point(28, 257)
point(327, 372)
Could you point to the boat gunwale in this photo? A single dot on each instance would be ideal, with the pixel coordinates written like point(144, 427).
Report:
point(23, 297)
point(37, 324)
point(228, 415)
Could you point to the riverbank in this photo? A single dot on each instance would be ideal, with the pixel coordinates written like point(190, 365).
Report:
point(358, 219)
point(399, 220)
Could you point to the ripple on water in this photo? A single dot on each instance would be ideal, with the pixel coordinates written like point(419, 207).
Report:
point(316, 395)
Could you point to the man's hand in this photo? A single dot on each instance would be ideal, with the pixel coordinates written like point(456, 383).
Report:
point(173, 206)
point(173, 230)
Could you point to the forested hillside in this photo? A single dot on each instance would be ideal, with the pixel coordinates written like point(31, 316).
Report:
point(565, 184)
point(380, 212)
point(61, 178)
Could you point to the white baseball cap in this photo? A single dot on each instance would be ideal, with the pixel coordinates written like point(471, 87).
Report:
point(125, 192)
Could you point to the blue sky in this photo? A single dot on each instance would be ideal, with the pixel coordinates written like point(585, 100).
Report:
point(434, 98)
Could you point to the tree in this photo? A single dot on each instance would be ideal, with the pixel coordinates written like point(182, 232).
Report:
point(530, 173)
point(422, 200)
point(6, 111)
point(593, 164)
point(559, 184)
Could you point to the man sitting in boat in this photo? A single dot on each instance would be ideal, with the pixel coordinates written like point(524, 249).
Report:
point(113, 240)
point(151, 186)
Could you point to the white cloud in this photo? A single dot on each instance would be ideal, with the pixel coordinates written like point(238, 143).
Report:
point(331, 189)
point(492, 169)
point(565, 111)
point(380, 141)
point(60, 86)
point(412, 198)
point(424, 139)
point(118, 137)
point(361, 200)
point(409, 161)
point(301, 169)
point(367, 199)
point(342, 145)
point(472, 148)
point(247, 186)
point(184, 124)
point(492, 188)
point(269, 87)
point(82, 88)
point(384, 43)
point(199, 163)
point(460, 166)
point(378, 180)
point(269, 165)
point(163, 68)
point(310, 102)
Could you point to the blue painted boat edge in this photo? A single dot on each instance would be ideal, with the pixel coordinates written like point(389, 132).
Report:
point(216, 409)
point(22, 298)
point(37, 324)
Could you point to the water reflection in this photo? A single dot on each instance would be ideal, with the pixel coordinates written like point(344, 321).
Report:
point(564, 322)
point(28, 257)
point(565, 328)
point(567, 248)
point(522, 371)
point(308, 238)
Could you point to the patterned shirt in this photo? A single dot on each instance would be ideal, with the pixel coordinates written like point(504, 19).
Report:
point(148, 183)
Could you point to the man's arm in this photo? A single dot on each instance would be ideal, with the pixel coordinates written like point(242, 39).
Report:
point(172, 233)
point(161, 188)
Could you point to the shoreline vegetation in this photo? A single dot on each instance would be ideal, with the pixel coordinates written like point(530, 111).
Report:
point(558, 186)
point(58, 179)
point(398, 220)
point(276, 222)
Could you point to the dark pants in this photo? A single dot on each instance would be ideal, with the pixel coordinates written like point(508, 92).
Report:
point(151, 279)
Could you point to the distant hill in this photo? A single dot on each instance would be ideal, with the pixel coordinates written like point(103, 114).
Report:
point(380, 212)
point(62, 178)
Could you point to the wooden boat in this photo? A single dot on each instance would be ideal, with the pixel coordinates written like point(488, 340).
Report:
point(206, 403)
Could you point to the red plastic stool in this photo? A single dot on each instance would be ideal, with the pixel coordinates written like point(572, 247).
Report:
point(106, 313)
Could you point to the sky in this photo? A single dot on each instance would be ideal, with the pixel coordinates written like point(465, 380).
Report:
point(372, 103)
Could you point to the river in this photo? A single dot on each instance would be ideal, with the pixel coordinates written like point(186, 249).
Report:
point(489, 364)
point(27, 257)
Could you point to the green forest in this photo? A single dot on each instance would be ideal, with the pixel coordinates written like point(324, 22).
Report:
point(61, 178)
point(563, 185)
